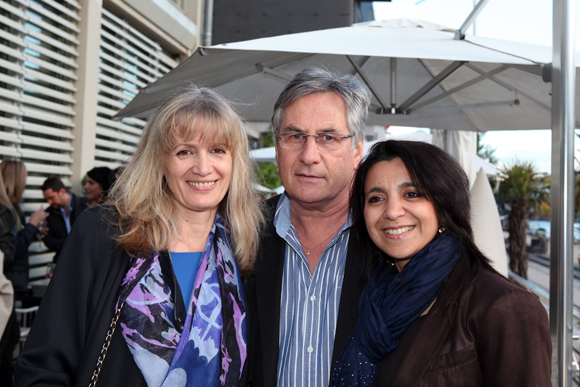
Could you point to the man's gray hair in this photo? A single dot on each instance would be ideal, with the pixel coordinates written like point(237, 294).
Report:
point(354, 93)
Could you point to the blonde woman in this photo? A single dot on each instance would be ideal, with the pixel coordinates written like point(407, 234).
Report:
point(165, 259)
point(14, 176)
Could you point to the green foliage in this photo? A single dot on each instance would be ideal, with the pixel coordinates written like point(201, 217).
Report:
point(268, 174)
point(523, 182)
point(486, 151)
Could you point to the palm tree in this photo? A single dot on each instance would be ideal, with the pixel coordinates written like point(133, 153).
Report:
point(523, 190)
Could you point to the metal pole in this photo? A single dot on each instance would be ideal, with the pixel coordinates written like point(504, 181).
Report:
point(393, 85)
point(208, 22)
point(562, 191)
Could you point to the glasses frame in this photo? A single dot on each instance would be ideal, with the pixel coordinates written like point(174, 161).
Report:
point(315, 140)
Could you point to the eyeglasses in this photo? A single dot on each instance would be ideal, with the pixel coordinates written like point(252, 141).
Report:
point(326, 141)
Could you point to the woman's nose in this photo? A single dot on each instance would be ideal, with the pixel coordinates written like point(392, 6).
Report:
point(394, 209)
point(202, 165)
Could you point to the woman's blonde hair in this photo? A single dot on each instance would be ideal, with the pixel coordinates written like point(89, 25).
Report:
point(149, 214)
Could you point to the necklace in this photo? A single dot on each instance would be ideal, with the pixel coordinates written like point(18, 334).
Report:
point(308, 250)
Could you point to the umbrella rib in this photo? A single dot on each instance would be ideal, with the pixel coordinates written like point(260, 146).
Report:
point(459, 88)
point(510, 87)
point(368, 82)
point(430, 85)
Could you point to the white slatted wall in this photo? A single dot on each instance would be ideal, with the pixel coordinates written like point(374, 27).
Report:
point(38, 41)
point(128, 62)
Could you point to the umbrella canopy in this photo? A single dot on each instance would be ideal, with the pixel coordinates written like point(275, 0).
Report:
point(418, 73)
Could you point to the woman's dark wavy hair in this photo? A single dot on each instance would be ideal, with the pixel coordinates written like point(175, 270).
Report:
point(436, 175)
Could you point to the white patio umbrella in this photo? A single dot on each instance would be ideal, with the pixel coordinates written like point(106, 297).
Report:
point(418, 73)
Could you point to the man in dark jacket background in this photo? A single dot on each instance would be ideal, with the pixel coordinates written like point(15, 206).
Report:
point(64, 209)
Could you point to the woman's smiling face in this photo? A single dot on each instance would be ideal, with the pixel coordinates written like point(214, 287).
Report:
point(198, 174)
point(399, 219)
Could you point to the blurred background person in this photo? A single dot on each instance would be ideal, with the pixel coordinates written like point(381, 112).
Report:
point(65, 207)
point(434, 312)
point(11, 334)
point(14, 176)
point(164, 258)
point(99, 182)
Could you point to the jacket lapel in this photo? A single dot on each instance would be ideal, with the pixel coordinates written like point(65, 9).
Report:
point(352, 287)
point(431, 335)
point(269, 293)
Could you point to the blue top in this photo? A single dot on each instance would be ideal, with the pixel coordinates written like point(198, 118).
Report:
point(185, 266)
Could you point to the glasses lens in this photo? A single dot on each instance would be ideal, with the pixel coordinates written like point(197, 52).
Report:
point(329, 141)
point(292, 140)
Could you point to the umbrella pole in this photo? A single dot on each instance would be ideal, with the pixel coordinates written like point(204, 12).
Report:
point(562, 192)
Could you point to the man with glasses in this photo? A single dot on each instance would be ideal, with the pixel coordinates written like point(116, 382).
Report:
point(302, 300)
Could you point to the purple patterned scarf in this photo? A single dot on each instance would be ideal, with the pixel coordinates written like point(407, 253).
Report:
point(211, 350)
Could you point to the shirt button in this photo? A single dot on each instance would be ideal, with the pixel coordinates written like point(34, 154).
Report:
point(312, 298)
point(310, 349)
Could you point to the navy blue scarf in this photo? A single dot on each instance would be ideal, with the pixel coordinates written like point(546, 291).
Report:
point(390, 302)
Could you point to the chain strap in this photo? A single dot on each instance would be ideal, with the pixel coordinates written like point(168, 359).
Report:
point(105, 348)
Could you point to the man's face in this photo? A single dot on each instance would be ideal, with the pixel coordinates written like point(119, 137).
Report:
point(55, 199)
point(314, 176)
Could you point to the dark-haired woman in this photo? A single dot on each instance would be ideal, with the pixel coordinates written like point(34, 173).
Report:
point(434, 312)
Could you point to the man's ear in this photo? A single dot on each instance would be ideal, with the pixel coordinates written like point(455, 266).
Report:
point(62, 191)
point(358, 153)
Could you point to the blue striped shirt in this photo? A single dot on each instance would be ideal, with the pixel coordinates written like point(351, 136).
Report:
point(309, 305)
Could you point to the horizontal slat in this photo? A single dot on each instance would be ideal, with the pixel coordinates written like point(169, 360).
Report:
point(119, 125)
point(11, 95)
point(47, 116)
point(9, 151)
point(11, 80)
point(50, 79)
point(54, 17)
point(57, 31)
point(65, 97)
point(111, 155)
point(13, 10)
point(106, 132)
point(46, 156)
point(118, 83)
point(110, 101)
point(10, 137)
point(53, 42)
point(12, 52)
point(117, 145)
point(51, 67)
point(14, 67)
point(43, 142)
point(113, 92)
point(10, 123)
point(8, 107)
point(108, 164)
point(47, 130)
point(62, 9)
point(134, 121)
point(74, 3)
point(51, 54)
point(13, 24)
point(50, 169)
point(38, 259)
point(16, 39)
point(55, 107)
point(39, 180)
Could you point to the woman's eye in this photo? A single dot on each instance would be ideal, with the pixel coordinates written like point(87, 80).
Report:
point(373, 199)
point(412, 195)
point(183, 152)
point(219, 150)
